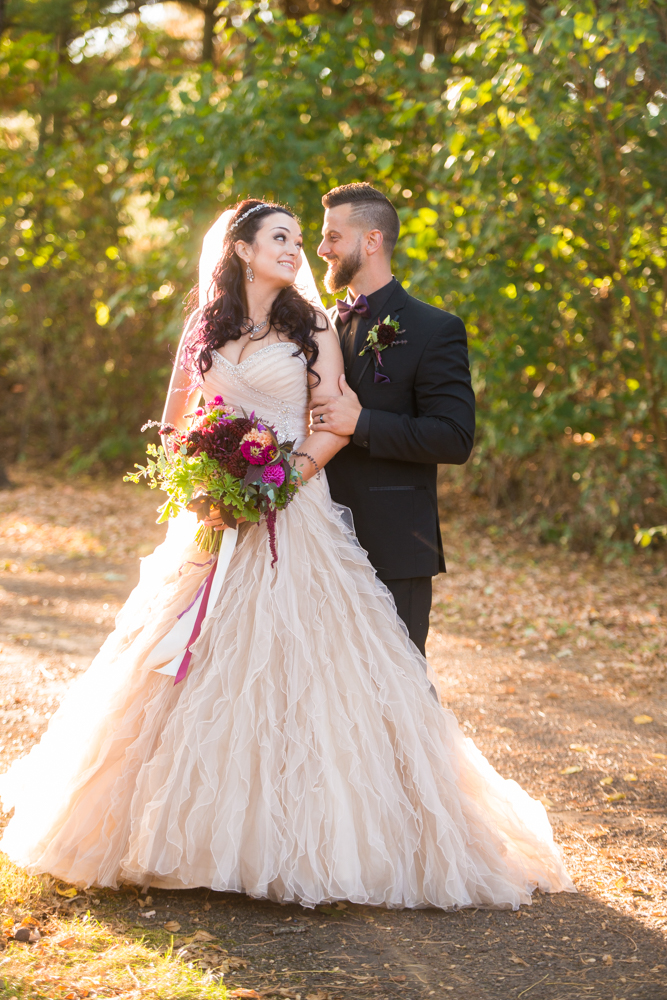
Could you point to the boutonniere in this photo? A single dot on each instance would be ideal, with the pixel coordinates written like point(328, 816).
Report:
point(380, 337)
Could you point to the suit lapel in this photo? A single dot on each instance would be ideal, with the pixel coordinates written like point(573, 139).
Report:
point(392, 306)
point(343, 337)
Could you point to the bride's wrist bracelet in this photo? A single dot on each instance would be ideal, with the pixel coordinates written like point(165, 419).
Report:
point(304, 454)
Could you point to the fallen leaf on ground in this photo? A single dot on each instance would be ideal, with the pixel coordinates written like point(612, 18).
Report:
point(251, 994)
point(659, 756)
point(608, 959)
point(579, 747)
point(546, 802)
point(518, 961)
point(642, 720)
point(232, 963)
point(318, 995)
point(607, 781)
point(203, 936)
point(571, 770)
point(630, 777)
point(172, 926)
point(66, 942)
point(67, 891)
point(621, 882)
point(616, 797)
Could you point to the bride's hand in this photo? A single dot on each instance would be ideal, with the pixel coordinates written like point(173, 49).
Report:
point(217, 523)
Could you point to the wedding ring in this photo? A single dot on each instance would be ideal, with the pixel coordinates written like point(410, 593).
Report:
point(321, 418)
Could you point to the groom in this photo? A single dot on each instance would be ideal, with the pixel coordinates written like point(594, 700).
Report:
point(407, 408)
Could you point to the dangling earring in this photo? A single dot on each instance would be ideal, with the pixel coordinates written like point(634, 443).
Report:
point(249, 273)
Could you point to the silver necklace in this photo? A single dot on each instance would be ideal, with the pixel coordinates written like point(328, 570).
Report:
point(254, 328)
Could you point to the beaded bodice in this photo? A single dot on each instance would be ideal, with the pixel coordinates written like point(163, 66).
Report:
point(272, 381)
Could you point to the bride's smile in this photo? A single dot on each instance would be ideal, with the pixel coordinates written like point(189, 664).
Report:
point(274, 257)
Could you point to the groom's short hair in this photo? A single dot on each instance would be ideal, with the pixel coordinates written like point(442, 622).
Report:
point(369, 207)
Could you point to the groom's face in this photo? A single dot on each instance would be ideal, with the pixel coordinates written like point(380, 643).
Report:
point(340, 247)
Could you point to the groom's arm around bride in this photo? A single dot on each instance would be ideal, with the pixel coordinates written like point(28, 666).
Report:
point(408, 404)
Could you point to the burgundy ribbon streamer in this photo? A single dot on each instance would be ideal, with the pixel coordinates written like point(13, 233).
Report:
point(201, 614)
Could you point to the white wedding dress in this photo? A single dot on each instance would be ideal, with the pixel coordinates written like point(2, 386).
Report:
point(303, 758)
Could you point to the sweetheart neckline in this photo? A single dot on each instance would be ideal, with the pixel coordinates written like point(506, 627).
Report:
point(240, 364)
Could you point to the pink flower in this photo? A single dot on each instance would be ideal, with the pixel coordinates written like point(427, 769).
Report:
point(217, 401)
point(253, 452)
point(270, 454)
point(273, 474)
point(199, 412)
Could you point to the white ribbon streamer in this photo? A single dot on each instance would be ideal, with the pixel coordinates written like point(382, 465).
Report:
point(172, 647)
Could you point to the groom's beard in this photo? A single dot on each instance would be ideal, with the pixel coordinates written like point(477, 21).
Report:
point(342, 270)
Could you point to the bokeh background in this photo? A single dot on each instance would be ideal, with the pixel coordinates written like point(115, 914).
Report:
point(522, 142)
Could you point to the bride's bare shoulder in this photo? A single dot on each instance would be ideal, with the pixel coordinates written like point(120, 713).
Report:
point(323, 325)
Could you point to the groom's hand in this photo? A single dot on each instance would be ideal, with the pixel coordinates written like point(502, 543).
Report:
point(339, 415)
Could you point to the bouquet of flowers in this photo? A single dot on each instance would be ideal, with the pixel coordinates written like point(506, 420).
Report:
point(224, 463)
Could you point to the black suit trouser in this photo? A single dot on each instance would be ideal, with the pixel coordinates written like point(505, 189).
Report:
point(413, 602)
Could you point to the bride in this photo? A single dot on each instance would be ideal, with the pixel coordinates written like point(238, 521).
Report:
point(304, 757)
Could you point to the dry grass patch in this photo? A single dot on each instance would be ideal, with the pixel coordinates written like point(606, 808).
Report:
point(74, 955)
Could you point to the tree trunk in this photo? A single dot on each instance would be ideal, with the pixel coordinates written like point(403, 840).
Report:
point(5, 481)
point(207, 41)
point(440, 27)
point(425, 32)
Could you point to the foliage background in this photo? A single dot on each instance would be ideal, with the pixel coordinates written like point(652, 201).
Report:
point(522, 142)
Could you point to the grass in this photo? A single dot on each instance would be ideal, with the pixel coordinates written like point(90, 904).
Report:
point(80, 956)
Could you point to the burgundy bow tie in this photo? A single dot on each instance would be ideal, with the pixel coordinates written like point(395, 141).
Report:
point(360, 306)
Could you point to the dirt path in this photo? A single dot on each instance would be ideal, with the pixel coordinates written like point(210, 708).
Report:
point(552, 663)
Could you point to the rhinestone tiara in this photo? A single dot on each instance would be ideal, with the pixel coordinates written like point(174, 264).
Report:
point(255, 208)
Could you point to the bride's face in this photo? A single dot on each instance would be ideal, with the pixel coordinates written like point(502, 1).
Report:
point(275, 255)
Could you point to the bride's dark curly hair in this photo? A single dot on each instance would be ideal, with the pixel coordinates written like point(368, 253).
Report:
point(223, 318)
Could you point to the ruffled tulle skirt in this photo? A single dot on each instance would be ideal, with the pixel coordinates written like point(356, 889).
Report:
point(304, 758)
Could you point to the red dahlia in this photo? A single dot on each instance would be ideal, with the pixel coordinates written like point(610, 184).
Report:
point(386, 334)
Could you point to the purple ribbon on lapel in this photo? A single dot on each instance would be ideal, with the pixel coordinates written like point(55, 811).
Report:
point(379, 377)
point(201, 614)
point(360, 306)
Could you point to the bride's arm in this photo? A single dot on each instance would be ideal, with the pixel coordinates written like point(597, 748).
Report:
point(182, 395)
point(329, 367)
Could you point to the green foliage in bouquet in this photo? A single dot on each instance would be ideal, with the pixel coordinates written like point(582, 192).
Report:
point(187, 477)
point(224, 464)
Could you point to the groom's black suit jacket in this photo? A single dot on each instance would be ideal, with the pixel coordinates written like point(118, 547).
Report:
point(424, 416)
